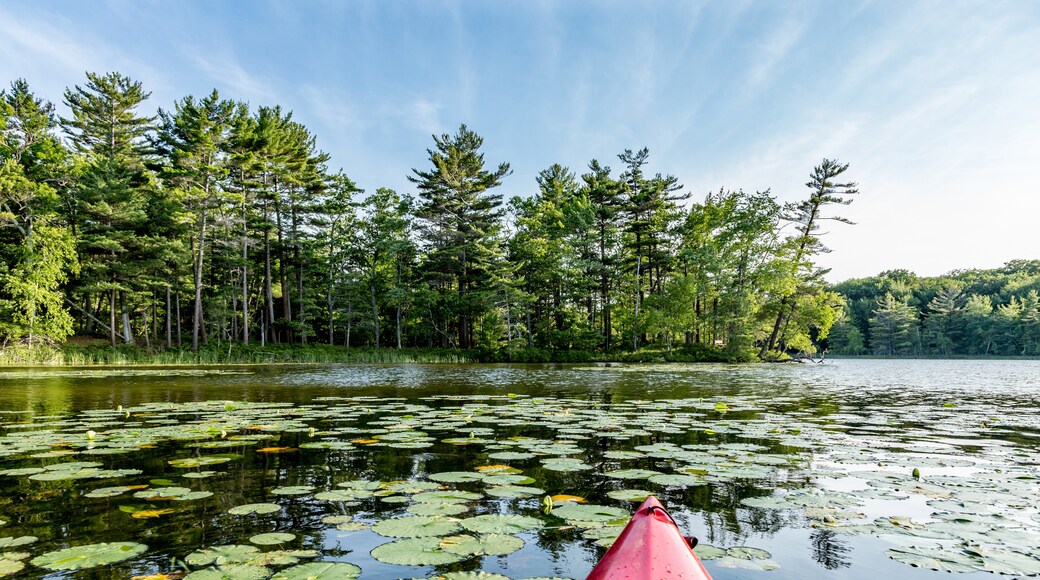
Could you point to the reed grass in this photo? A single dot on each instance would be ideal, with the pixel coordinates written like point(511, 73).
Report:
point(78, 355)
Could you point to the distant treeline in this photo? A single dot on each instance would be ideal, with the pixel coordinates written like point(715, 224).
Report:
point(971, 312)
point(214, 223)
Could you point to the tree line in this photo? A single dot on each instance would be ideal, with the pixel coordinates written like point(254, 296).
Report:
point(969, 312)
point(214, 222)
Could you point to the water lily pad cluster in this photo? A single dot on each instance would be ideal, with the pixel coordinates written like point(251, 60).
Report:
point(529, 463)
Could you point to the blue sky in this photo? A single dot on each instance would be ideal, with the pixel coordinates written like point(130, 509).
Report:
point(936, 105)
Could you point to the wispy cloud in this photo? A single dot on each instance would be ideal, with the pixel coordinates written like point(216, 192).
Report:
point(774, 49)
point(424, 115)
point(36, 44)
point(225, 71)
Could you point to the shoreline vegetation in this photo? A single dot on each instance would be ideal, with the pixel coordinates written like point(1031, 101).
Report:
point(235, 354)
point(213, 222)
point(102, 355)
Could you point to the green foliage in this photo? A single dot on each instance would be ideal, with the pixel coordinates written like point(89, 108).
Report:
point(968, 313)
point(893, 328)
point(219, 225)
point(459, 225)
point(34, 286)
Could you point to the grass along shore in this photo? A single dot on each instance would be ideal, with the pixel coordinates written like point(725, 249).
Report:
point(78, 354)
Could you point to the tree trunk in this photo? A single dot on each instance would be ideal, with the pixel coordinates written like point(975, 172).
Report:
point(196, 323)
point(331, 308)
point(112, 315)
point(375, 310)
point(298, 259)
point(398, 303)
point(169, 333)
point(245, 279)
point(604, 285)
point(127, 337)
point(88, 310)
point(268, 291)
point(398, 325)
point(639, 293)
point(350, 319)
point(147, 340)
point(286, 300)
point(180, 343)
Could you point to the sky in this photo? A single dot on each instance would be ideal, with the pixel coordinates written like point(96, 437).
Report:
point(935, 106)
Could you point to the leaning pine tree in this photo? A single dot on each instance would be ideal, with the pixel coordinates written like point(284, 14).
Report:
point(807, 216)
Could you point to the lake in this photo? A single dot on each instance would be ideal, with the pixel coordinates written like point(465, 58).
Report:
point(850, 469)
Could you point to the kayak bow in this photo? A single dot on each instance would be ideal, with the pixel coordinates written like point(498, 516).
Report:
point(651, 547)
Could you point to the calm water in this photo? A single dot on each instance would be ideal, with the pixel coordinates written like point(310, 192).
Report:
point(836, 441)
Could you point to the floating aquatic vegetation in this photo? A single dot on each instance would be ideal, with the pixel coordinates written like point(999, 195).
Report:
point(482, 545)
point(416, 527)
point(255, 508)
point(319, 571)
point(501, 524)
point(11, 541)
point(415, 552)
point(89, 556)
point(272, 538)
point(979, 491)
point(231, 572)
point(11, 562)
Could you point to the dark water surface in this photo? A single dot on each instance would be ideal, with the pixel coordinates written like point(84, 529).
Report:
point(810, 463)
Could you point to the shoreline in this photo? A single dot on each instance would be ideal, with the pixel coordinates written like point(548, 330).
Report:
point(78, 356)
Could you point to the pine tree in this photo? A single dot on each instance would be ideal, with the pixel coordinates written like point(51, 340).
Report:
point(111, 200)
point(193, 140)
point(944, 323)
point(605, 198)
point(893, 328)
point(459, 223)
point(807, 216)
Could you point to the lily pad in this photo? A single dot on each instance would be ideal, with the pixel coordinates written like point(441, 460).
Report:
point(589, 512)
point(231, 572)
point(255, 508)
point(565, 464)
point(437, 509)
point(511, 455)
point(471, 576)
point(456, 476)
point(747, 553)
point(449, 496)
point(12, 541)
point(319, 571)
point(629, 494)
point(89, 556)
point(632, 473)
point(293, 490)
point(220, 555)
point(343, 495)
point(485, 545)
point(9, 566)
point(677, 480)
point(415, 552)
point(709, 552)
point(272, 539)
point(514, 491)
point(941, 559)
point(501, 524)
point(416, 527)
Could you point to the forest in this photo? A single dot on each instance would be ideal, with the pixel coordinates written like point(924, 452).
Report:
point(965, 313)
point(212, 224)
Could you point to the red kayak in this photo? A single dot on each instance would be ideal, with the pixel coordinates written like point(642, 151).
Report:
point(651, 547)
